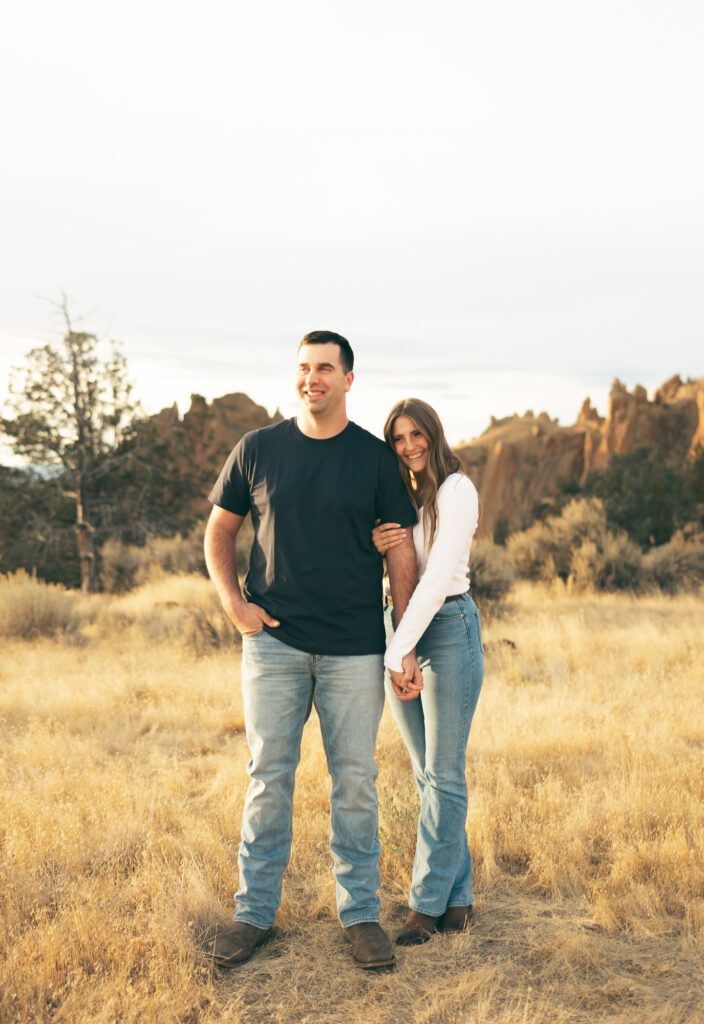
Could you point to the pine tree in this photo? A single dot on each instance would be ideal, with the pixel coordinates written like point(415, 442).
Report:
point(71, 412)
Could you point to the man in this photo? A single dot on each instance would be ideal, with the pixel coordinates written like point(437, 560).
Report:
point(312, 633)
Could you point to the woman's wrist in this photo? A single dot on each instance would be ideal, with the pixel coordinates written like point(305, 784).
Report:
point(393, 661)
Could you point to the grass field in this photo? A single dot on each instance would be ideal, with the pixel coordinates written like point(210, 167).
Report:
point(123, 778)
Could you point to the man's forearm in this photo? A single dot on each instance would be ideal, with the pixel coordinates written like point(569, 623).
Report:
point(403, 575)
point(221, 560)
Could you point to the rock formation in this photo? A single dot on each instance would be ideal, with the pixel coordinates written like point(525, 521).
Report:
point(521, 464)
point(198, 444)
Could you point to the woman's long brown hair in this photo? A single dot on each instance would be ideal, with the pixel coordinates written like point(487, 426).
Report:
point(441, 460)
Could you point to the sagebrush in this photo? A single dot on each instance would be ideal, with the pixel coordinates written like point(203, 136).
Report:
point(578, 548)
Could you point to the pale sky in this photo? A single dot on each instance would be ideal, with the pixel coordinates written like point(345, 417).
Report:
point(499, 204)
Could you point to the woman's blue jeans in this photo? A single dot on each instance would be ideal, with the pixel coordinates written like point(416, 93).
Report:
point(280, 685)
point(435, 728)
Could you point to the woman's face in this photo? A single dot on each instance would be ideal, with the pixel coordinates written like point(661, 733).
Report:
point(410, 444)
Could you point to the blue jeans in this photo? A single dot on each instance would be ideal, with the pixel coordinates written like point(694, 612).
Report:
point(435, 728)
point(280, 685)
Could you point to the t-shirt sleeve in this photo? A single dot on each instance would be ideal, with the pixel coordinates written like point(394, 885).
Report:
point(392, 502)
point(458, 514)
point(231, 491)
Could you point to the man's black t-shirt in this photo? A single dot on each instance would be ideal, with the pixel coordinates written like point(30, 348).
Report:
point(314, 503)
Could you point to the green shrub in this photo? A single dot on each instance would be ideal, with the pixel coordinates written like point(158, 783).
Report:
point(615, 564)
point(490, 571)
point(582, 519)
point(174, 556)
point(531, 553)
point(546, 548)
point(641, 495)
point(676, 566)
point(126, 566)
point(30, 608)
point(119, 565)
point(577, 546)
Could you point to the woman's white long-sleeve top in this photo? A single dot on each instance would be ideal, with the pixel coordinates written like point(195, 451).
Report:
point(443, 571)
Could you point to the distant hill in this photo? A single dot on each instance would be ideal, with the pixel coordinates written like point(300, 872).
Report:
point(520, 464)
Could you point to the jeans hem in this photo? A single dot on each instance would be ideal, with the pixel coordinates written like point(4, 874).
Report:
point(248, 919)
point(420, 910)
point(361, 920)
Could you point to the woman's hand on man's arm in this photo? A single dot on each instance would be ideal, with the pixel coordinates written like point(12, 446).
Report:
point(387, 535)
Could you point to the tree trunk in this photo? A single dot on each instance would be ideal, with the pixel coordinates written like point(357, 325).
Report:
point(84, 531)
point(84, 539)
point(86, 556)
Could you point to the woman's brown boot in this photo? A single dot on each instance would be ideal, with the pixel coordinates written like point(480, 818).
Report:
point(417, 928)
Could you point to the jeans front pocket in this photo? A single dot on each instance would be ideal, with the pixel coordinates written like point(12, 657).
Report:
point(250, 636)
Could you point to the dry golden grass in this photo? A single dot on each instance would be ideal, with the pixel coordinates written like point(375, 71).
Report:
point(123, 775)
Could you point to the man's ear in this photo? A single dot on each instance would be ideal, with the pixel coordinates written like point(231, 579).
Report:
point(349, 377)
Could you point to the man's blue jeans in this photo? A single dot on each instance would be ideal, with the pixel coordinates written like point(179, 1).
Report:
point(435, 728)
point(280, 685)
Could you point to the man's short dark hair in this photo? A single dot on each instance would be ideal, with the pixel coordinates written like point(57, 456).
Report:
point(324, 338)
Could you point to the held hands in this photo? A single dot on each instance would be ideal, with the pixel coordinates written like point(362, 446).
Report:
point(249, 619)
point(387, 535)
point(407, 684)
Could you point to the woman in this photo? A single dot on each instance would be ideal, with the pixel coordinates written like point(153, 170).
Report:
point(442, 623)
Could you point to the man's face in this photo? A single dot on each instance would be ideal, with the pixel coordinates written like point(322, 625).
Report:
point(321, 382)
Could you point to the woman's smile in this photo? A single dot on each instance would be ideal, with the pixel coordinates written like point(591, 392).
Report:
point(411, 444)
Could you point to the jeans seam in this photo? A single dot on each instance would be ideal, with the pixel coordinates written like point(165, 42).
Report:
point(479, 630)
